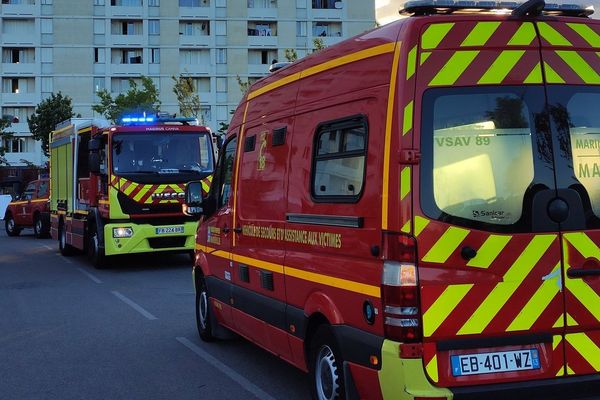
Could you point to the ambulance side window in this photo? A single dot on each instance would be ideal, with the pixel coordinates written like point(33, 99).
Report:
point(43, 189)
point(339, 160)
point(220, 190)
point(482, 155)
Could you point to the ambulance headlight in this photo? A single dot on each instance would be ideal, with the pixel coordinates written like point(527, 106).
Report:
point(122, 232)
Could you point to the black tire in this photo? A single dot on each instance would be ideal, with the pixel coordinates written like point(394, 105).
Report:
point(203, 312)
point(64, 248)
point(94, 250)
point(12, 229)
point(326, 366)
point(41, 227)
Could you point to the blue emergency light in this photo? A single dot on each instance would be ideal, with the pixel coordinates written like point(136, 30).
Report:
point(158, 118)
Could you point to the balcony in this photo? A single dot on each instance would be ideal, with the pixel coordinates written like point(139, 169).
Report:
point(331, 40)
point(127, 40)
point(258, 69)
point(195, 40)
point(19, 69)
point(9, 99)
point(262, 41)
point(327, 13)
point(26, 38)
point(9, 10)
point(202, 69)
point(14, 159)
point(129, 69)
point(262, 13)
point(205, 12)
point(125, 12)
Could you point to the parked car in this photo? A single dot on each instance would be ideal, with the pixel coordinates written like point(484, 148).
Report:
point(30, 210)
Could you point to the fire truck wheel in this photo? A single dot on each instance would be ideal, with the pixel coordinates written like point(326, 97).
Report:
point(12, 229)
point(203, 311)
point(326, 366)
point(95, 252)
point(40, 227)
point(65, 249)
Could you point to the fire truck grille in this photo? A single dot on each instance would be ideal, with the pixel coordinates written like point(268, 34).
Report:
point(167, 242)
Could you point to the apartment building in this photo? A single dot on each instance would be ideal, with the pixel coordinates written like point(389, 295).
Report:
point(80, 46)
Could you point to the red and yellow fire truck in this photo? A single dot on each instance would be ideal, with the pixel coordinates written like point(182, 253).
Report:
point(414, 213)
point(118, 189)
point(30, 210)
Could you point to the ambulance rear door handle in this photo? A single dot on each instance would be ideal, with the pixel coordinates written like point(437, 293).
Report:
point(579, 273)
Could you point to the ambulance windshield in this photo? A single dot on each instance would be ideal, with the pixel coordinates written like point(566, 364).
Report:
point(482, 156)
point(164, 154)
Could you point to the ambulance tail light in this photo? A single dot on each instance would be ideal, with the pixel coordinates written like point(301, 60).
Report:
point(400, 289)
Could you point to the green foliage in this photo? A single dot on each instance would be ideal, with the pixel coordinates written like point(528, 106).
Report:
point(187, 97)
point(291, 55)
point(244, 85)
point(136, 100)
point(4, 135)
point(47, 115)
point(318, 44)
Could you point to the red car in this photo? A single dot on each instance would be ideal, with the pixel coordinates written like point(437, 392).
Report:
point(30, 210)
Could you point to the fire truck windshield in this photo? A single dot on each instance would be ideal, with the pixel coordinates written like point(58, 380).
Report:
point(164, 154)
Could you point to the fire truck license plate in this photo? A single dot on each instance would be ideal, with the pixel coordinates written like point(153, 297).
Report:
point(502, 361)
point(169, 229)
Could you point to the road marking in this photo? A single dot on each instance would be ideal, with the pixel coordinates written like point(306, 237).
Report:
point(92, 277)
point(133, 305)
point(48, 247)
point(239, 379)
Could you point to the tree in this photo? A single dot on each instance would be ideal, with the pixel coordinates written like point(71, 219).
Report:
point(51, 111)
point(291, 55)
point(187, 97)
point(318, 44)
point(244, 85)
point(4, 137)
point(135, 101)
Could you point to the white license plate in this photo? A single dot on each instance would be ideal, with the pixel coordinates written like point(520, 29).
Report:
point(169, 229)
point(501, 361)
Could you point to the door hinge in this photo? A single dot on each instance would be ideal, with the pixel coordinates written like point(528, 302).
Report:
point(410, 156)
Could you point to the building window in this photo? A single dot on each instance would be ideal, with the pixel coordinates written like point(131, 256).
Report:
point(99, 27)
point(194, 3)
point(99, 83)
point(194, 28)
point(221, 56)
point(205, 114)
point(18, 85)
point(261, 29)
point(126, 3)
point(15, 145)
point(99, 55)
point(18, 55)
point(154, 56)
point(22, 113)
point(153, 27)
point(262, 3)
point(327, 29)
point(98, 2)
point(194, 57)
point(202, 85)
point(222, 85)
point(301, 28)
point(264, 57)
point(153, 3)
point(221, 28)
point(46, 25)
point(326, 4)
point(126, 56)
point(339, 160)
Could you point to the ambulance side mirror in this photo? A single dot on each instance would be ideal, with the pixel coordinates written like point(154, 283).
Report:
point(194, 199)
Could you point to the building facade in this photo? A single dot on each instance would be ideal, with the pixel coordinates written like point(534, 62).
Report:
point(80, 46)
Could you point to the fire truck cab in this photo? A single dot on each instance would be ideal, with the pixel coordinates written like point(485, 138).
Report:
point(30, 210)
point(414, 213)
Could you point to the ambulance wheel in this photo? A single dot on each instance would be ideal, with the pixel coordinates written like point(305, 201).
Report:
point(40, 227)
point(64, 248)
point(12, 229)
point(203, 312)
point(95, 251)
point(326, 366)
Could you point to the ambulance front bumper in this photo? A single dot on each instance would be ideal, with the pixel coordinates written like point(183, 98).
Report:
point(128, 238)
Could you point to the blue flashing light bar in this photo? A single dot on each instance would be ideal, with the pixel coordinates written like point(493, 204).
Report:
point(159, 119)
point(425, 7)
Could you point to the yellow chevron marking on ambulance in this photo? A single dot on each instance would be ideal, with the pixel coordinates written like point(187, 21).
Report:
point(523, 36)
point(404, 182)
point(142, 193)
point(501, 67)
point(432, 369)
point(443, 306)
point(569, 370)
point(556, 340)
point(480, 34)
point(579, 288)
point(425, 55)
point(489, 250)
point(551, 75)
point(538, 303)
point(551, 35)
point(579, 66)
point(511, 281)
point(454, 68)
point(407, 121)
point(420, 224)
point(446, 245)
point(586, 348)
point(535, 76)
point(435, 33)
point(586, 33)
point(131, 188)
point(411, 63)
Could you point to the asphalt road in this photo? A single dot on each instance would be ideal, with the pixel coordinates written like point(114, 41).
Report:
point(68, 331)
